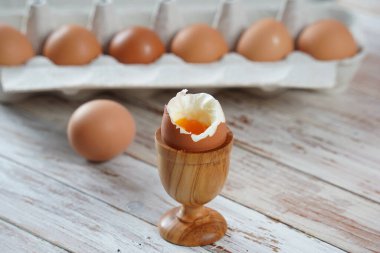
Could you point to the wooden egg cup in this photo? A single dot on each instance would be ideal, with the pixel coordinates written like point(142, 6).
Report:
point(193, 179)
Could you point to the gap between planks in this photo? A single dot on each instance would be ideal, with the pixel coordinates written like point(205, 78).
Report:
point(62, 215)
point(20, 240)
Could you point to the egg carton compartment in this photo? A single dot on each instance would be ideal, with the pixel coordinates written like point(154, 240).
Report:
point(105, 18)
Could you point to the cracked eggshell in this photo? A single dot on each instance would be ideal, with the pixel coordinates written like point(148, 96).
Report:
point(175, 139)
point(195, 106)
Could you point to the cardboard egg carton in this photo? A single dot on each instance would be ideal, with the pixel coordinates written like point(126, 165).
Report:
point(166, 17)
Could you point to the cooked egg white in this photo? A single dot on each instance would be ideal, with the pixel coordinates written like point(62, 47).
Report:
point(194, 112)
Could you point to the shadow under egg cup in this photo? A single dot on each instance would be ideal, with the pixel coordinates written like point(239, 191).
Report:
point(193, 179)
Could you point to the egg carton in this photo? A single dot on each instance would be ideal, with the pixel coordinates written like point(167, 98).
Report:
point(230, 17)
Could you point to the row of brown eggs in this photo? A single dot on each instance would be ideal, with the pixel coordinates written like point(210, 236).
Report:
point(265, 40)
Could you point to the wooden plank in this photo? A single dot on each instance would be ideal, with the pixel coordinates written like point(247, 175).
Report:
point(15, 240)
point(314, 140)
point(70, 219)
point(256, 182)
point(123, 183)
point(366, 81)
point(248, 230)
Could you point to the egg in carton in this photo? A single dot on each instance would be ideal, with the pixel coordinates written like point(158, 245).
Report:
point(230, 17)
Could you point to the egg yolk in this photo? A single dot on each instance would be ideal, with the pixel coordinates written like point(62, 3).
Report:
point(192, 125)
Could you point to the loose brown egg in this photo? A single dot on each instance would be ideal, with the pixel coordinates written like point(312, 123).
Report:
point(266, 40)
point(136, 45)
point(15, 48)
point(72, 45)
point(100, 130)
point(327, 39)
point(199, 43)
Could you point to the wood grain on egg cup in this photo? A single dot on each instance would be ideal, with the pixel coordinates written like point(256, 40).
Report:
point(193, 179)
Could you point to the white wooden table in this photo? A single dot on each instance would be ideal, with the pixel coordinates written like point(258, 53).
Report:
point(304, 175)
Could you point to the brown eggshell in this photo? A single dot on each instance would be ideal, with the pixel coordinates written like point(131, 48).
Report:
point(327, 40)
point(173, 138)
point(265, 40)
point(72, 45)
point(15, 48)
point(199, 43)
point(100, 129)
point(136, 45)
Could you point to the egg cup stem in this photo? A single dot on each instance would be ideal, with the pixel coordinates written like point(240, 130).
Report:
point(193, 179)
point(191, 213)
point(205, 227)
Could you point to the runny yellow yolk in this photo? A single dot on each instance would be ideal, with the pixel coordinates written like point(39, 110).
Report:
point(192, 125)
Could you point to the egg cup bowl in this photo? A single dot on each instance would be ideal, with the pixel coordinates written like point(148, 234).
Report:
point(193, 179)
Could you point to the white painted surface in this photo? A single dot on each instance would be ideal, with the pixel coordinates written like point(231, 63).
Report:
point(133, 186)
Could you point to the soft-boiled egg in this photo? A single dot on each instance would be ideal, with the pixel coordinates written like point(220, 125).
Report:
point(15, 48)
point(193, 122)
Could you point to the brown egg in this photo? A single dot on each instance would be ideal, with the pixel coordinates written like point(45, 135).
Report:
point(72, 45)
point(15, 48)
point(100, 129)
point(136, 45)
point(266, 40)
point(172, 136)
point(199, 43)
point(327, 39)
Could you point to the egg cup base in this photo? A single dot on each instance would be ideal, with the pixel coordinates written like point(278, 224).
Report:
point(206, 228)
